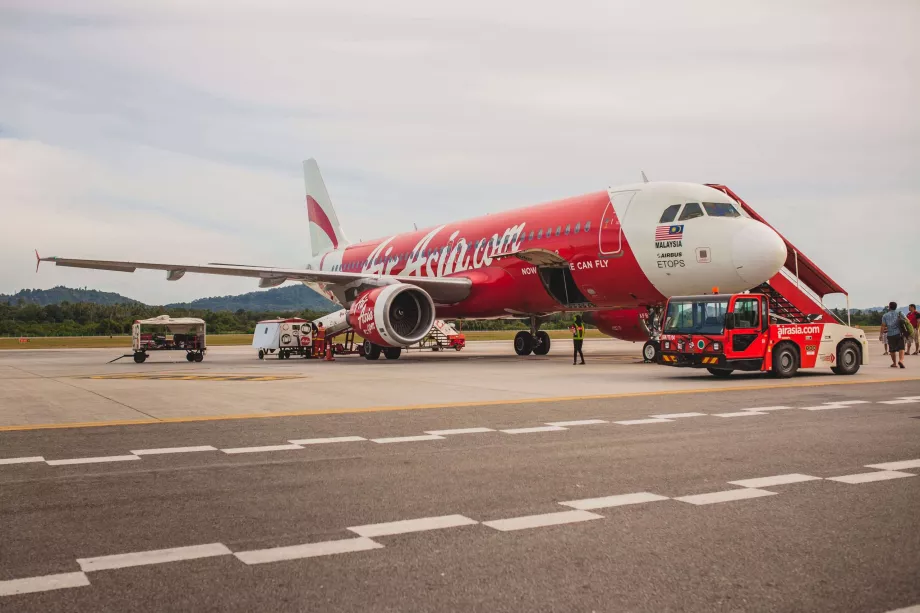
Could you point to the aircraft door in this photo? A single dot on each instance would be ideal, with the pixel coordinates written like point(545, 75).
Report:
point(610, 238)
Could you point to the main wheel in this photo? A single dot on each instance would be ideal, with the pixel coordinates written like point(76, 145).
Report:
point(139, 357)
point(651, 350)
point(785, 362)
point(719, 372)
point(190, 356)
point(523, 343)
point(199, 357)
point(392, 353)
point(371, 351)
point(847, 359)
point(261, 354)
point(542, 344)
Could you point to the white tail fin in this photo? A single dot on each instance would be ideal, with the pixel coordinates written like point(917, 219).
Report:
point(325, 231)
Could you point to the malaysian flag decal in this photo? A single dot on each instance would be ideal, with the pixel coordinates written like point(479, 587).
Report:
point(669, 233)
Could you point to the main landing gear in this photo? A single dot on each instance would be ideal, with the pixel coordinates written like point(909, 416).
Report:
point(534, 341)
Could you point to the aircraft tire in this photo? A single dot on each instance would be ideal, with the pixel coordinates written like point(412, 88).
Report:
point(542, 344)
point(371, 351)
point(651, 351)
point(190, 357)
point(720, 373)
point(785, 362)
point(199, 357)
point(392, 353)
point(261, 354)
point(523, 343)
point(848, 359)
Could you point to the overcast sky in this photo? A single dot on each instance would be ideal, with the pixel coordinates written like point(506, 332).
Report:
point(173, 131)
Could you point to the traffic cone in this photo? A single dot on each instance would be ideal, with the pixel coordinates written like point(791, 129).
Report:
point(329, 357)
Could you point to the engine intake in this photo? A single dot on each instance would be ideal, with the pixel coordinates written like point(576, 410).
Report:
point(395, 315)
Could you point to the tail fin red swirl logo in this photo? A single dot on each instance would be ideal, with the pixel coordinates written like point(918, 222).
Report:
point(318, 216)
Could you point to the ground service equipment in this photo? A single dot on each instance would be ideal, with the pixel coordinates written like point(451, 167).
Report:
point(292, 336)
point(724, 333)
point(165, 333)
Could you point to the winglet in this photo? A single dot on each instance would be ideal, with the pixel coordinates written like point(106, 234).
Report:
point(38, 260)
point(644, 178)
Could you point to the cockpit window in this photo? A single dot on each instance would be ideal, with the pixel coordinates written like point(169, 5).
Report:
point(720, 209)
point(691, 211)
point(669, 214)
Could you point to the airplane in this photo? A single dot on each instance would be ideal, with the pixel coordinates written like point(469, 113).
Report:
point(613, 254)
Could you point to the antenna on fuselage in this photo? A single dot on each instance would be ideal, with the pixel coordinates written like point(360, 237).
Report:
point(414, 226)
point(644, 178)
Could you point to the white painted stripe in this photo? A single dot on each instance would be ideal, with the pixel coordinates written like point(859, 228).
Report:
point(540, 521)
point(638, 422)
point(678, 415)
point(881, 475)
point(413, 525)
point(901, 401)
point(156, 556)
point(725, 496)
point(777, 408)
point(30, 585)
point(578, 422)
point(307, 550)
point(25, 460)
point(331, 439)
point(744, 413)
point(913, 609)
point(408, 439)
point(459, 431)
point(848, 402)
point(775, 480)
point(896, 465)
point(263, 448)
point(108, 458)
point(165, 450)
point(535, 429)
point(619, 500)
point(823, 407)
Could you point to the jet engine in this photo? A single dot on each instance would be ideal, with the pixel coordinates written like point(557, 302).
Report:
point(395, 315)
point(624, 324)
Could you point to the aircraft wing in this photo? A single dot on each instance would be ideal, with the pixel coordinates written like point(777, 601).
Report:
point(445, 290)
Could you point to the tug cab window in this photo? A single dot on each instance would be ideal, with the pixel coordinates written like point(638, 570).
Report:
point(670, 214)
point(720, 209)
point(691, 211)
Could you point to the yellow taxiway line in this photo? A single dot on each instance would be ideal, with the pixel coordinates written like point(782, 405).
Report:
point(417, 407)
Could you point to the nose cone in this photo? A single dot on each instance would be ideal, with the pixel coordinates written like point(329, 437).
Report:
point(758, 253)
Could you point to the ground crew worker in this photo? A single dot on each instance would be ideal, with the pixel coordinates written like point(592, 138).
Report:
point(319, 342)
point(578, 338)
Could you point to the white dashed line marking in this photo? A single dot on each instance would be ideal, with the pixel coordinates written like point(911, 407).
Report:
point(913, 609)
point(725, 496)
point(235, 450)
point(408, 439)
point(540, 521)
point(881, 475)
point(899, 401)
point(743, 413)
point(307, 550)
point(413, 525)
point(577, 422)
point(619, 500)
point(778, 408)
point(28, 460)
point(331, 439)
point(775, 480)
point(639, 422)
point(166, 450)
point(896, 465)
point(849, 402)
point(459, 431)
point(108, 458)
point(45, 583)
point(156, 556)
point(679, 415)
point(534, 429)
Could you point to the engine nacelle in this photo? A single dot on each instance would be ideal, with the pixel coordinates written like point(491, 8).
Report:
point(395, 315)
point(624, 324)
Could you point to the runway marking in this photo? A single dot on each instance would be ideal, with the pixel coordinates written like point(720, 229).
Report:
point(30, 585)
point(849, 402)
point(28, 460)
point(606, 502)
point(459, 431)
point(407, 439)
point(896, 465)
point(778, 408)
point(882, 475)
point(156, 556)
point(236, 450)
point(775, 480)
point(406, 526)
point(743, 413)
point(577, 422)
point(839, 404)
point(832, 381)
point(168, 450)
point(108, 458)
point(913, 609)
point(307, 550)
point(533, 430)
point(639, 422)
point(901, 401)
point(679, 415)
point(725, 496)
point(193, 377)
point(540, 521)
point(331, 439)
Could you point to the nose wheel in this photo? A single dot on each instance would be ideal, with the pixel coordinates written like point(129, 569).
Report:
point(650, 351)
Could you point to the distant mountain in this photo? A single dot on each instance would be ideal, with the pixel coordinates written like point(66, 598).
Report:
point(289, 298)
point(903, 309)
point(59, 294)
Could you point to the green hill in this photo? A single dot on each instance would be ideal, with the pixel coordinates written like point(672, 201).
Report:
point(289, 298)
point(59, 294)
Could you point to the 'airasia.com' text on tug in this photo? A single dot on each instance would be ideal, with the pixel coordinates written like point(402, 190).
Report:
point(625, 248)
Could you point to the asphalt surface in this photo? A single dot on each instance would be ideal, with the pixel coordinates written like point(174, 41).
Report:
point(812, 544)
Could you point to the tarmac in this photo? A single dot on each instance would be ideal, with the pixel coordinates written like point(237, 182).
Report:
point(470, 481)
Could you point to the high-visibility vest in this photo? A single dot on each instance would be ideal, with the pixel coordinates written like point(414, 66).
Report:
point(578, 332)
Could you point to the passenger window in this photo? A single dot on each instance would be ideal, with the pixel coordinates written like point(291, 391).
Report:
point(720, 209)
point(540, 234)
point(670, 214)
point(578, 227)
point(530, 237)
point(558, 230)
point(691, 211)
point(549, 232)
point(587, 226)
point(747, 313)
point(568, 228)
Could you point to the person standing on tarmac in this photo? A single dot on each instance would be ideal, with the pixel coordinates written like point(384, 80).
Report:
point(914, 318)
point(891, 326)
point(578, 338)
